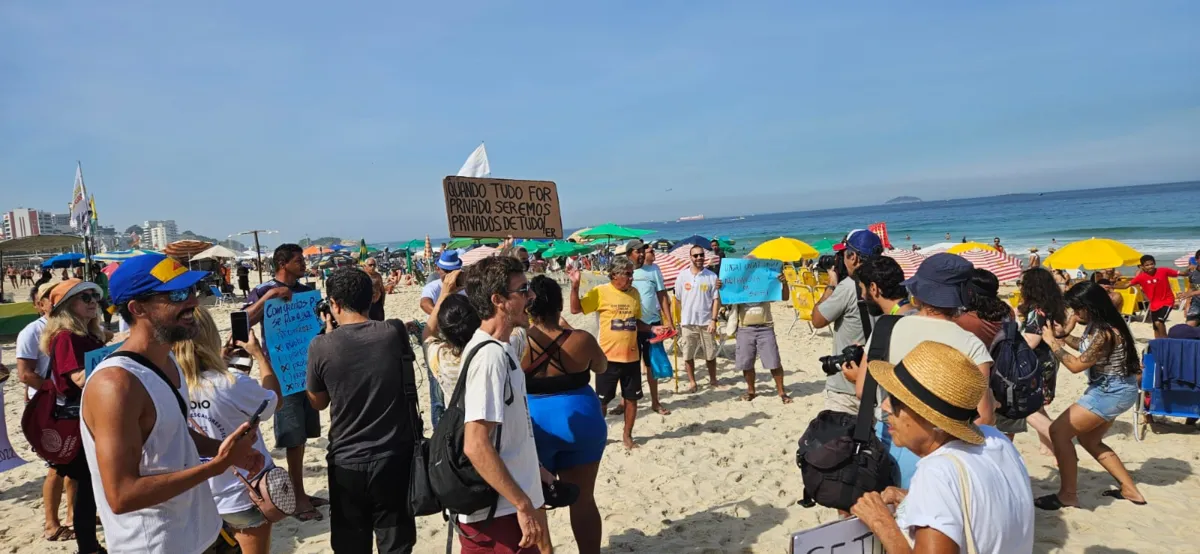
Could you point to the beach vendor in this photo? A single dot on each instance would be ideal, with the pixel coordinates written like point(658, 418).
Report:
point(1155, 284)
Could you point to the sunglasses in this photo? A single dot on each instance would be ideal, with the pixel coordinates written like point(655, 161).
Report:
point(90, 297)
point(523, 289)
point(697, 255)
point(175, 296)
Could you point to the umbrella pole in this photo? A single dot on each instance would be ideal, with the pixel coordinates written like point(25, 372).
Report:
point(2, 279)
point(258, 255)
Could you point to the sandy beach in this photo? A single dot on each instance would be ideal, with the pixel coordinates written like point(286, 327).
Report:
point(719, 474)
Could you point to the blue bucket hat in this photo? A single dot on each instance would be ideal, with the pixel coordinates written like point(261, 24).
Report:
point(150, 274)
point(449, 260)
point(939, 280)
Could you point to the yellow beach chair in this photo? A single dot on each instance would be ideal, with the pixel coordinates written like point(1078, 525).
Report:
point(789, 273)
point(804, 302)
point(1015, 299)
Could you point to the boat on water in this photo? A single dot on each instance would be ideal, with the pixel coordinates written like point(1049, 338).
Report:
point(691, 218)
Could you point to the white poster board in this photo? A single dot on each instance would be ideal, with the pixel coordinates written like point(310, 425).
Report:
point(847, 536)
point(8, 456)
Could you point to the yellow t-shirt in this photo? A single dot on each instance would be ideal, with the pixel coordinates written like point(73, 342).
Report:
point(619, 311)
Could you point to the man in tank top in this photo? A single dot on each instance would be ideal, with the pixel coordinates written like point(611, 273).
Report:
point(151, 488)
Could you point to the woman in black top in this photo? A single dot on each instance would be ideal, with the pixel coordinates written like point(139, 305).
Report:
point(1041, 305)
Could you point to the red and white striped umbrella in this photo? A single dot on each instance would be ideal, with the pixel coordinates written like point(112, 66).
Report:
point(909, 261)
point(1003, 266)
point(685, 253)
point(1183, 260)
point(670, 267)
point(472, 257)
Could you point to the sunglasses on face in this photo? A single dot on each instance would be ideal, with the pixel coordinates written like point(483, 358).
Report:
point(175, 296)
point(523, 289)
point(89, 297)
point(697, 255)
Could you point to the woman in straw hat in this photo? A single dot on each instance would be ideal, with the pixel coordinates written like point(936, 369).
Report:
point(971, 491)
point(1107, 353)
point(72, 330)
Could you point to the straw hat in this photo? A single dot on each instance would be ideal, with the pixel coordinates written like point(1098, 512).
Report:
point(1033, 249)
point(939, 383)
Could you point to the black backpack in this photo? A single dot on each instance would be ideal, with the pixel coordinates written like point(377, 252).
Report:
point(840, 457)
point(451, 478)
point(1016, 380)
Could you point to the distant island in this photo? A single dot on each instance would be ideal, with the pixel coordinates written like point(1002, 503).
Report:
point(903, 200)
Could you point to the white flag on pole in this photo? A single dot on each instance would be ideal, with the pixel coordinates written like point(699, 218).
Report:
point(477, 164)
point(79, 201)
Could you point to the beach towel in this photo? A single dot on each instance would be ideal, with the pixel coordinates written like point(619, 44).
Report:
point(1178, 363)
point(660, 363)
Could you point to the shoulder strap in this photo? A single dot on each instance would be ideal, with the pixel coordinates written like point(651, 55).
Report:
point(881, 345)
point(146, 362)
point(965, 499)
point(864, 427)
point(553, 350)
point(408, 383)
point(863, 314)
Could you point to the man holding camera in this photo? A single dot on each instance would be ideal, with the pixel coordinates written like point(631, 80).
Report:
point(359, 370)
point(295, 420)
point(841, 306)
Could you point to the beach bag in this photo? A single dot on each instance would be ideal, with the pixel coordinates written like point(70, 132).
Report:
point(272, 493)
point(452, 480)
point(660, 362)
point(421, 500)
point(52, 430)
point(1016, 380)
point(839, 455)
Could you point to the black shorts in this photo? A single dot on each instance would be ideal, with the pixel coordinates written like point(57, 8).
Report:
point(1160, 314)
point(629, 374)
point(296, 421)
point(643, 342)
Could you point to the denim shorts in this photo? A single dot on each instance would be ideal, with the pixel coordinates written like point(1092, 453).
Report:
point(245, 519)
point(1110, 396)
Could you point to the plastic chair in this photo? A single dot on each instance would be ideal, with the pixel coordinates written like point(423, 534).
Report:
point(804, 302)
point(1015, 299)
point(808, 278)
point(789, 273)
point(220, 297)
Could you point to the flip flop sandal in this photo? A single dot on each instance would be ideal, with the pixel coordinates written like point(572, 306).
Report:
point(310, 515)
point(1116, 493)
point(1050, 503)
point(317, 501)
point(63, 534)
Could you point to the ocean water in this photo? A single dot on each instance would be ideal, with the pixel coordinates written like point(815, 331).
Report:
point(1161, 220)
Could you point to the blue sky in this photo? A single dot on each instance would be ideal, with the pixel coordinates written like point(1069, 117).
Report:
point(311, 117)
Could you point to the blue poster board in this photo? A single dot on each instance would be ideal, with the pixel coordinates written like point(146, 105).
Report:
point(289, 327)
point(746, 281)
point(93, 358)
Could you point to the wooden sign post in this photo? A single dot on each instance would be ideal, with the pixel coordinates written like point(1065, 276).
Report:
point(482, 207)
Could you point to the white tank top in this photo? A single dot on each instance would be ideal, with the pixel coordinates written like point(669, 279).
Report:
point(187, 523)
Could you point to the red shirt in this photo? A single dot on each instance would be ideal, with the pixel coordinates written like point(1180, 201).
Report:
point(1157, 287)
point(66, 355)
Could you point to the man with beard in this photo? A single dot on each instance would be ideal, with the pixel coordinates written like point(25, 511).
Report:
point(149, 481)
point(295, 420)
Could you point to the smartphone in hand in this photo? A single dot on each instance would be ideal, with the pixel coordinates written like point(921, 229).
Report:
point(254, 419)
point(240, 323)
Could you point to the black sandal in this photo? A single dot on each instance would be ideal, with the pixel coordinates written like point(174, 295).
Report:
point(1116, 493)
point(1050, 503)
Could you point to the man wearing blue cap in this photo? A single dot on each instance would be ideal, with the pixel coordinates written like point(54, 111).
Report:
point(842, 306)
point(447, 262)
point(134, 415)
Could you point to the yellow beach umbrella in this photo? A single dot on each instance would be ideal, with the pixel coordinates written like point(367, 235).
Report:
point(963, 247)
point(785, 249)
point(1093, 254)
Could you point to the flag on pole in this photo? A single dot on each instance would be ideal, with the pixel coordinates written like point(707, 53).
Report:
point(477, 164)
point(79, 201)
point(93, 222)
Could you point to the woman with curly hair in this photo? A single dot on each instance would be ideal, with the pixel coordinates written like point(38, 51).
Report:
point(1042, 304)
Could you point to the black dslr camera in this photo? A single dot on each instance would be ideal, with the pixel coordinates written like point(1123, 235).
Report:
point(833, 363)
point(322, 309)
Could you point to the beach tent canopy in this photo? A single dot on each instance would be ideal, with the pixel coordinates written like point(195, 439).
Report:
point(785, 249)
point(70, 259)
point(216, 252)
point(38, 243)
point(120, 255)
point(967, 246)
point(1093, 254)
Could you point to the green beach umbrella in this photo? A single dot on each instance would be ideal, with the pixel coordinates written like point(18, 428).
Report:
point(533, 246)
point(564, 248)
point(362, 249)
point(415, 244)
point(464, 242)
point(824, 246)
point(612, 231)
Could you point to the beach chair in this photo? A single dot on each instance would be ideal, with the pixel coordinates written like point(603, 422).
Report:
point(808, 278)
point(1169, 386)
point(804, 302)
point(789, 273)
point(1129, 299)
point(219, 297)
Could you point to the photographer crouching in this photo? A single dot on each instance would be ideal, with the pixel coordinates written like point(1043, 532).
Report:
point(841, 305)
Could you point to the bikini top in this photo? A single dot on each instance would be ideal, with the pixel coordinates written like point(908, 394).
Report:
point(545, 356)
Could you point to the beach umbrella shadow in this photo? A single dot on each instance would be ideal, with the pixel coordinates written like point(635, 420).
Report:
point(731, 527)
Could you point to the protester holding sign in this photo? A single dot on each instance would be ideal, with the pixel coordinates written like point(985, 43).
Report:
point(971, 490)
point(756, 337)
point(295, 419)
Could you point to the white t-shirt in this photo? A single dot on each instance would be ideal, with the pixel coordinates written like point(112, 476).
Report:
point(433, 290)
point(490, 369)
point(28, 349)
point(695, 293)
point(447, 367)
point(219, 406)
point(999, 492)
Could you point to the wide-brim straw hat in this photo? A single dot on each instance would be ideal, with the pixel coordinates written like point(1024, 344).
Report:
point(939, 383)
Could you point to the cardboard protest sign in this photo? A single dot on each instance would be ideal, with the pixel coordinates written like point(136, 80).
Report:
point(289, 327)
point(94, 357)
point(847, 536)
point(482, 207)
point(745, 281)
point(8, 456)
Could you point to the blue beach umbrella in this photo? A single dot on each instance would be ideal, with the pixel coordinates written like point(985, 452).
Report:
point(70, 259)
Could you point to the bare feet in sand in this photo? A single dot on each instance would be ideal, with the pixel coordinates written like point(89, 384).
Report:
point(628, 442)
point(658, 409)
point(785, 398)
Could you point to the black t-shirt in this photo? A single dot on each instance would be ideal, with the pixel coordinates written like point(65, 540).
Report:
point(360, 366)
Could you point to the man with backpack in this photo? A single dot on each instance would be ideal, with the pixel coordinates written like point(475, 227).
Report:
point(363, 371)
point(497, 431)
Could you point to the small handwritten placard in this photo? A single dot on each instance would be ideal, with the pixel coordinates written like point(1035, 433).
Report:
point(289, 328)
point(847, 536)
point(93, 358)
point(745, 281)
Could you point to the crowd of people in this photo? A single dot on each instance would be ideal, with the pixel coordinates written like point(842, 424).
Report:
point(168, 423)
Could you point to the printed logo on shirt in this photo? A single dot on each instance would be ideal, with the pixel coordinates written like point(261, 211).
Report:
point(687, 286)
point(623, 324)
